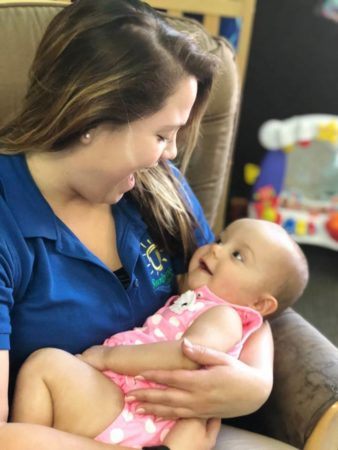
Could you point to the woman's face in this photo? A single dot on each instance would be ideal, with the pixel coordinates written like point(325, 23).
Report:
point(101, 169)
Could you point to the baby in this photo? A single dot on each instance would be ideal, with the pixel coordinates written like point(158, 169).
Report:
point(256, 271)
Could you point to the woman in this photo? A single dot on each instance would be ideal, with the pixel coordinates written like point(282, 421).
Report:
point(96, 224)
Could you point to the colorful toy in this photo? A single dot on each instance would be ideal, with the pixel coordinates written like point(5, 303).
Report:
point(329, 9)
point(297, 185)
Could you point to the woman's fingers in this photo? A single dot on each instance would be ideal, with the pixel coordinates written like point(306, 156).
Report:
point(180, 379)
point(171, 402)
point(167, 397)
point(168, 412)
point(205, 356)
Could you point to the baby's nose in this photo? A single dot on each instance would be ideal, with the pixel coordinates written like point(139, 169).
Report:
point(215, 250)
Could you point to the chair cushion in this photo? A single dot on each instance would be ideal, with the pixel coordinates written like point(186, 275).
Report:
point(22, 25)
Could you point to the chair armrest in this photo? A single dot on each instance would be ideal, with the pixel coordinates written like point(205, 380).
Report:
point(306, 379)
point(305, 387)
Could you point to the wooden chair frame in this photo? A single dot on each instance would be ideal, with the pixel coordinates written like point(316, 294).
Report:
point(212, 12)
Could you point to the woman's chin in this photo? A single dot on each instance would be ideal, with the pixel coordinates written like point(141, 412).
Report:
point(125, 186)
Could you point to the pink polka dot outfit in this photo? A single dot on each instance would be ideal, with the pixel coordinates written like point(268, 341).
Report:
point(168, 323)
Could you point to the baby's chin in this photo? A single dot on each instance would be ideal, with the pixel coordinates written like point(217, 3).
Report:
point(196, 282)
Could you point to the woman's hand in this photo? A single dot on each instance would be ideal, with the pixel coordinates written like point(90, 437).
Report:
point(225, 388)
point(193, 434)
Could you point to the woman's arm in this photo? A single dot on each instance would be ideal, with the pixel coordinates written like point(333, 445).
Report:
point(228, 388)
point(189, 434)
point(19, 436)
point(219, 328)
point(4, 365)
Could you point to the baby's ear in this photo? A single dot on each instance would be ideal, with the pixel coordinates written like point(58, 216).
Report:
point(267, 304)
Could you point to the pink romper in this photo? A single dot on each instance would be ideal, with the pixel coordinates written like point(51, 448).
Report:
point(167, 324)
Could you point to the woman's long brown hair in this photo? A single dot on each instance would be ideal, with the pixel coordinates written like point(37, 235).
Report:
point(115, 61)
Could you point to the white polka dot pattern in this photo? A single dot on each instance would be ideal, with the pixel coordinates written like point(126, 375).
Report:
point(116, 435)
point(159, 333)
point(174, 321)
point(127, 415)
point(156, 319)
point(150, 426)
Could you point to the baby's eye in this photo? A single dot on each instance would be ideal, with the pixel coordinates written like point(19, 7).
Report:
point(237, 255)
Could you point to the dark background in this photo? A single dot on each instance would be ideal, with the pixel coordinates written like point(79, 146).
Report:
point(292, 70)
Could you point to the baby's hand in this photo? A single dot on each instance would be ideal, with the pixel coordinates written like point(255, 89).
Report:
point(95, 356)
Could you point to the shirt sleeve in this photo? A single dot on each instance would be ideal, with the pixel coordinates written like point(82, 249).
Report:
point(6, 296)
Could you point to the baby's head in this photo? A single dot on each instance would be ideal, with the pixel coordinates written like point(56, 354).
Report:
point(257, 264)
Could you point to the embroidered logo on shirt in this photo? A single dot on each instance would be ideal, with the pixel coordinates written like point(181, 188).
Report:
point(158, 266)
point(154, 257)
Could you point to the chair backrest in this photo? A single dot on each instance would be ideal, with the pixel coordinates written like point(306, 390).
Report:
point(22, 24)
point(212, 12)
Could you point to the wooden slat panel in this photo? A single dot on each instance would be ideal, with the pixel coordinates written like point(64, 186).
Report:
point(175, 13)
point(225, 8)
point(212, 24)
point(245, 36)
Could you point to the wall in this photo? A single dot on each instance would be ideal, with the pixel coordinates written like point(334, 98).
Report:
point(293, 69)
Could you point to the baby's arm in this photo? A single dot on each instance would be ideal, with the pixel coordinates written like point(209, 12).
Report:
point(219, 328)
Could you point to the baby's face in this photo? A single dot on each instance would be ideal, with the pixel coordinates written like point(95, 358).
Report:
point(245, 266)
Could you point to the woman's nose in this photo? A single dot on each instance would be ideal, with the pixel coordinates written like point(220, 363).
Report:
point(170, 151)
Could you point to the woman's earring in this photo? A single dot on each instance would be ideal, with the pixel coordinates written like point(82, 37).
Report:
point(86, 137)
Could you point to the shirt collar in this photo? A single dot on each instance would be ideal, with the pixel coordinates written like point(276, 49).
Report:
point(30, 210)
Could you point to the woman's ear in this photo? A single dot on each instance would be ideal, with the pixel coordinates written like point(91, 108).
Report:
point(267, 304)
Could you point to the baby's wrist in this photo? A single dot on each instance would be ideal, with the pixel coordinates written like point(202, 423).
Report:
point(107, 357)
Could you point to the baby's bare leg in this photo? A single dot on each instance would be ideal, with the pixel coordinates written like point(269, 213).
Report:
point(56, 389)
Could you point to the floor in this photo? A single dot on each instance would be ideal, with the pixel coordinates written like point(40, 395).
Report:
point(319, 303)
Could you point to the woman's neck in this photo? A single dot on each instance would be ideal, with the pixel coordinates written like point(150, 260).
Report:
point(51, 173)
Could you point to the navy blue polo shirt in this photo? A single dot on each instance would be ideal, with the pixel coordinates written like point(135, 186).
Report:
point(54, 291)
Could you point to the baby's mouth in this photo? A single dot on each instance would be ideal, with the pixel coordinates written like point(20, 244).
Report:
point(203, 266)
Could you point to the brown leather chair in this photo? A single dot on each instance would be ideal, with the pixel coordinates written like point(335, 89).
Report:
point(303, 407)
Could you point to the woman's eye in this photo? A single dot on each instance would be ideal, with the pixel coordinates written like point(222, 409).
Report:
point(162, 139)
point(237, 255)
